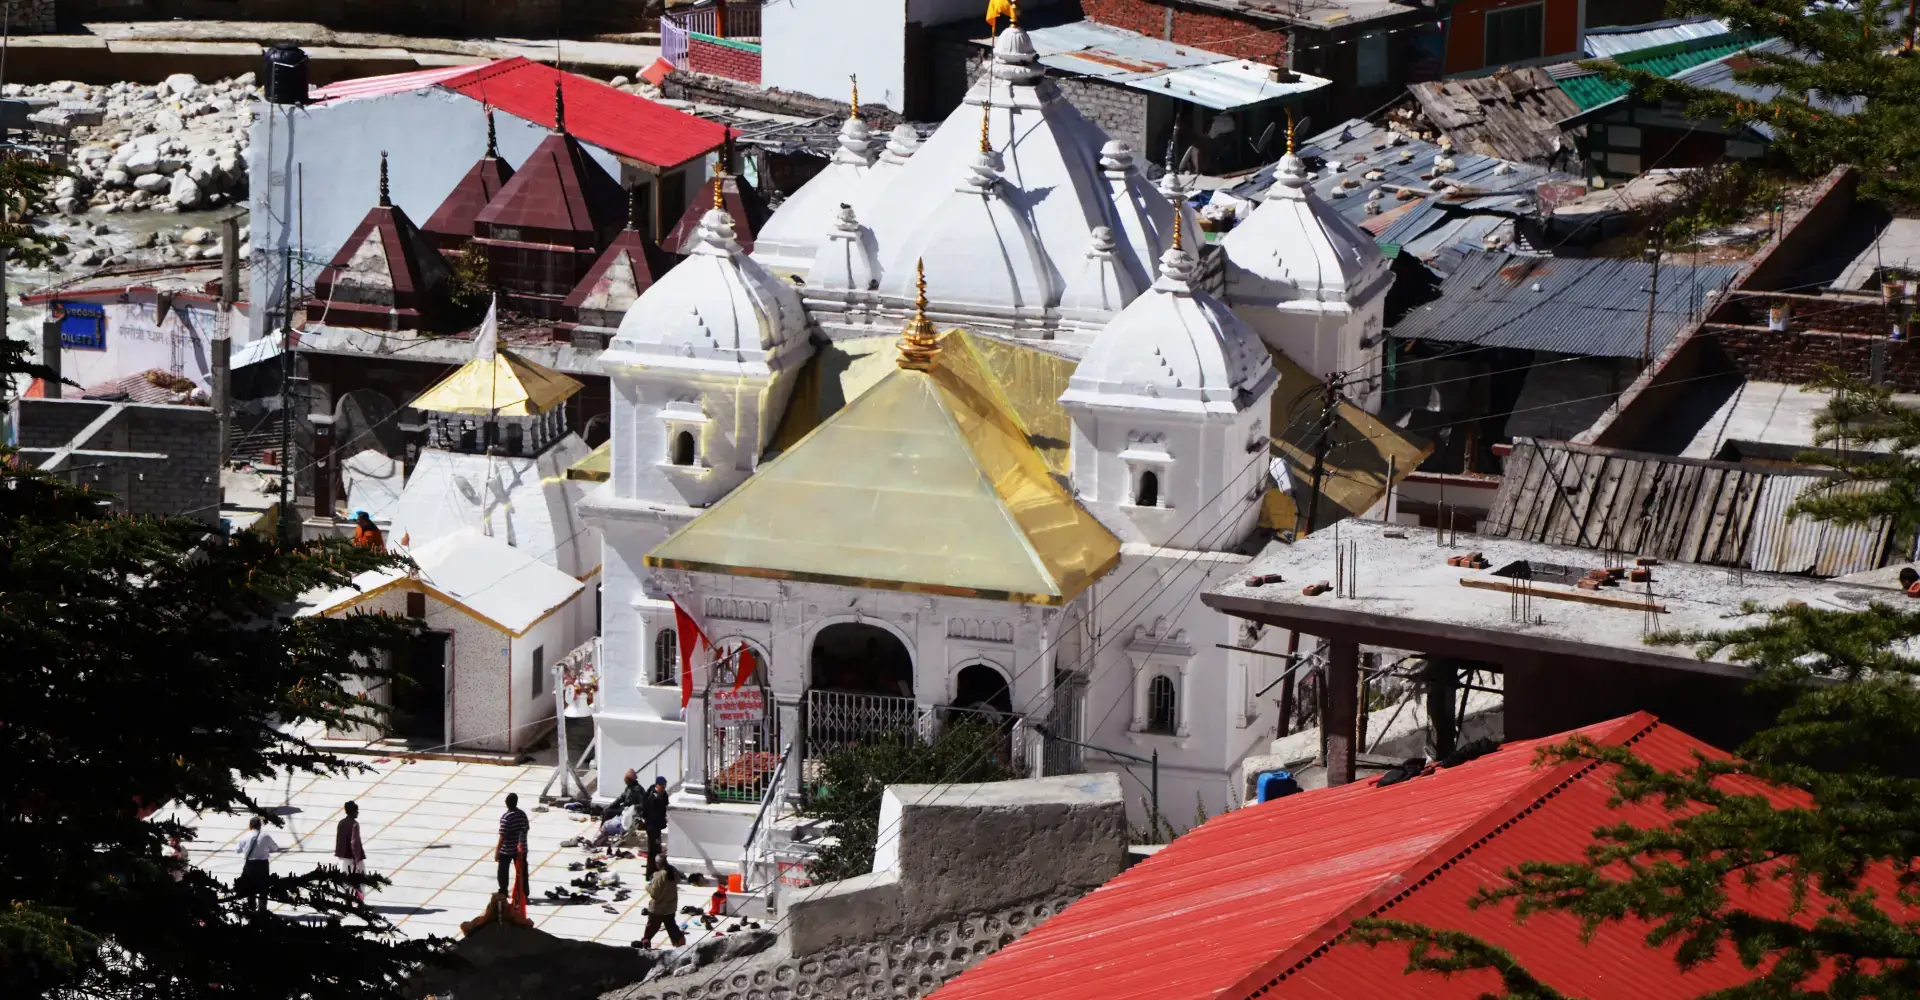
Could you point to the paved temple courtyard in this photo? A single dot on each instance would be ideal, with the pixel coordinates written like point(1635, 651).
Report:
point(431, 826)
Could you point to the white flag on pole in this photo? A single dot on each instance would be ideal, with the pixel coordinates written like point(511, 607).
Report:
point(486, 339)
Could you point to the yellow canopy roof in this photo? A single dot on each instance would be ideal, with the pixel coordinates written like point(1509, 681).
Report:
point(1361, 450)
point(927, 482)
point(597, 467)
point(505, 384)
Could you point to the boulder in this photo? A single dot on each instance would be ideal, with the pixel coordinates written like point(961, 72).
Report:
point(152, 182)
point(116, 178)
point(168, 120)
point(180, 84)
point(185, 193)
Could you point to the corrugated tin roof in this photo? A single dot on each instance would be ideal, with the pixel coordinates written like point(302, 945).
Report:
point(1225, 910)
point(1354, 149)
point(1591, 91)
point(1211, 79)
point(1609, 42)
point(1719, 75)
point(1588, 306)
point(621, 123)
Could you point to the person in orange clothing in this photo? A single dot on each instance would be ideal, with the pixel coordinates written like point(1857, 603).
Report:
point(364, 532)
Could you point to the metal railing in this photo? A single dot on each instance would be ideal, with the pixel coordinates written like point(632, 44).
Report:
point(742, 19)
point(758, 849)
point(673, 43)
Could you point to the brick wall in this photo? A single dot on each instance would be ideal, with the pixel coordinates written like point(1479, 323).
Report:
point(723, 57)
point(30, 16)
point(1121, 111)
point(1259, 40)
point(1799, 357)
point(432, 18)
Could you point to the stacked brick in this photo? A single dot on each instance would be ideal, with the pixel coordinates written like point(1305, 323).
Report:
point(723, 57)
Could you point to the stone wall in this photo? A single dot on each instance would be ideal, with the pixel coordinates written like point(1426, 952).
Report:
point(1258, 40)
point(429, 18)
point(1800, 357)
point(1121, 111)
point(29, 17)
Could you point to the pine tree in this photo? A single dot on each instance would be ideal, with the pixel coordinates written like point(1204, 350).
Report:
point(1845, 742)
point(152, 661)
point(1846, 90)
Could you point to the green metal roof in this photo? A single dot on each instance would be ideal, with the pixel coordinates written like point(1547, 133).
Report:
point(1590, 92)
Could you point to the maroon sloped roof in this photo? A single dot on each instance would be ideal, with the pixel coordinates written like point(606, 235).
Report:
point(606, 290)
point(559, 195)
point(1256, 903)
point(614, 120)
point(744, 203)
point(405, 290)
point(452, 223)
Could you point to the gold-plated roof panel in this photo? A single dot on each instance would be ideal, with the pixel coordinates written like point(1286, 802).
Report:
point(506, 384)
point(926, 482)
point(1033, 381)
point(1361, 450)
point(596, 467)
point(836, 374)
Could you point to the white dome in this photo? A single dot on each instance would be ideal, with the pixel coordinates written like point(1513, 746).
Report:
point(794, 232)
point(1102, 287)
point(845, 262)
point(1174, 349)
point(1013, 279)
point(719, 307)
point(1295, 248)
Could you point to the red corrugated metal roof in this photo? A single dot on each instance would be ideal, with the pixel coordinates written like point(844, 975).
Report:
point(1249, 903)
point(619, 122)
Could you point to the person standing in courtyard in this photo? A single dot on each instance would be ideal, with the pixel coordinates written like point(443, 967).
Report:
point(653, 816)
point(347, 847)
point(255, 848)
point(663, 900)
point(511, 851)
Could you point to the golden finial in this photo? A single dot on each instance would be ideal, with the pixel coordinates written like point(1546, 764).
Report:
point(719, 200)
point(855, 77)
point(1013, 14)
point(1178, 211)
point(1290, 124)
point(918, 345)
point(986, 119)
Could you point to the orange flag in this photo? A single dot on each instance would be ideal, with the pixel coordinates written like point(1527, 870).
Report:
point(745, 670)
point(996, 9)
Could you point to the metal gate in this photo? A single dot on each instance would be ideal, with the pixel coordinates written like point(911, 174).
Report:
point(1069, 706)
point(836, 720)
point(743, 755)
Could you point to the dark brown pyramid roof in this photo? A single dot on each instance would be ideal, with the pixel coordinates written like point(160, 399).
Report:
point(744, 203)
point(559, 196)
point(451, 225)
point(386, 277)
point(630, 265)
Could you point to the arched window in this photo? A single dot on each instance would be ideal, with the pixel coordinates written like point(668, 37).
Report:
point(1149, 492)
point(1163, 709)
point(683, 448)
point(666, 658)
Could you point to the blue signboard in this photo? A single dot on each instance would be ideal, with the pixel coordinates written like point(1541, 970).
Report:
point(83, 327)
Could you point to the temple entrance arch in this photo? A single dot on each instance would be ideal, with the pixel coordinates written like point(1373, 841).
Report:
point(860, 657)
point(981, 687)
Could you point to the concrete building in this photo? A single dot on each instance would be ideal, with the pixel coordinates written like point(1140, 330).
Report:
point(126, 323)
point(155, 459)
point(495, 620)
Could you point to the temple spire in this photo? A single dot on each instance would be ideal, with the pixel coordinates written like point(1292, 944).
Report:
point(986, 119)
point(633, 208)
point(856, 95)
point(559, 104)
point(1290, 126)
point(918, 347)
point(386, 199)
point(1177, 215)
point(493, 136)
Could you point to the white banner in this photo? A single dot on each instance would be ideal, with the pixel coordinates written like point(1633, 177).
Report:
point(727, 707)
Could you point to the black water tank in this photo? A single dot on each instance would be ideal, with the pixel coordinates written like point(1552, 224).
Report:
point(286, 74)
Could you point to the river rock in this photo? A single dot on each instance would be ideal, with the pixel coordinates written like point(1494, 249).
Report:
point(152, 182)
point(185, 194)
point(181, 84)
point(196, 236)
point(115, 178)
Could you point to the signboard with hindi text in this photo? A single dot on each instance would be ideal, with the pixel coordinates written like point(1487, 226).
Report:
point(727, 707)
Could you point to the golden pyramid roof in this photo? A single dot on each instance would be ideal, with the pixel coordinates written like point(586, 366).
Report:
point(930, 481)
point(505, 384)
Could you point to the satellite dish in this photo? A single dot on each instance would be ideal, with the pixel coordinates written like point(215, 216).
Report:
point(1192, 157)
point(1303, 127)
point(1261, 144)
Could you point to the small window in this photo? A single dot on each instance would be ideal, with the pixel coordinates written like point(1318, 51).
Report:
point(416, 604)
point(1148, 495)
point(1516, 34)
point(683, 448)
point(539, 671)
point(516, 439)
point(1163, 709)
point(599, 607)
point(666, 657)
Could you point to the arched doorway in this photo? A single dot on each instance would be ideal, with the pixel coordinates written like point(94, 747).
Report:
point(860, 690)
point(981, 688)
point(743, 725)
point(857, 657)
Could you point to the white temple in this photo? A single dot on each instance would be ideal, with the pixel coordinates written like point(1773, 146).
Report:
point(1012, 519)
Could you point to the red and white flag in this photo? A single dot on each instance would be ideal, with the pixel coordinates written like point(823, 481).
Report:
point(690, 635)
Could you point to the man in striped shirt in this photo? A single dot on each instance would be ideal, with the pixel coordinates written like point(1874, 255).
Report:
point(513, 840)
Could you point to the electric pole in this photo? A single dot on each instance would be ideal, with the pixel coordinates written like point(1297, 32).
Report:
point(1653, 295)
point(1328, 408)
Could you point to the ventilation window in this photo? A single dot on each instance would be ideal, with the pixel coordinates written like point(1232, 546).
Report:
point(539, 671)
point(1148, 495)
point(683, 448)
point(666, 656)
point(1163, 708)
